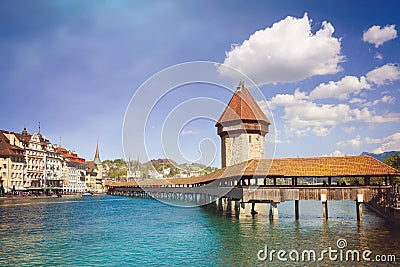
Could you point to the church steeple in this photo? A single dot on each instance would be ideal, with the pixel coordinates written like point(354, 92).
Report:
point(96, 159)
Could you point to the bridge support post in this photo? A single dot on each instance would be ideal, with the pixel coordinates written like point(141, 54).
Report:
point(253, 208)
point(220, 205)
point(359, 201)
point(228, 206)
point(237, 208)
point(296, 209)
point(324, 202)
point(273, 211)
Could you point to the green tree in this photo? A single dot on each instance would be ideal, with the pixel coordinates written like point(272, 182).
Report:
point(393, 160)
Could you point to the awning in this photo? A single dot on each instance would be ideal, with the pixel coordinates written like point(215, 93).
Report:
point(51, 188)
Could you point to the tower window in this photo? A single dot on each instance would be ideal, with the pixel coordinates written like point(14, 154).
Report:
point(249, 138)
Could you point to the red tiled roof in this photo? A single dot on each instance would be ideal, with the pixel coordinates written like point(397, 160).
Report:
point(6, 149)
point(71, 156)
point(242, 106)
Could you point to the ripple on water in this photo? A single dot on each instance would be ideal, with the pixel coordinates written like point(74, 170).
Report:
point(115, 231)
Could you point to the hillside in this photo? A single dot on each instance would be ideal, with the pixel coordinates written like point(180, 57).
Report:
point(381, 156)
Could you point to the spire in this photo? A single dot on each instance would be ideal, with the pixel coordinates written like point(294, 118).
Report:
point(96, 159)
point(243, 107)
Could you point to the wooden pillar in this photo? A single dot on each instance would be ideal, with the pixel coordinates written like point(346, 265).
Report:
point(265, 181)
point(253, 206)
point(329, 181)
point(273, 211)
point(220, 204)
point(228, 207)
point(237, 208)
point(274, 181)
point(359, 201)
point(324, 202)
point(296, 209)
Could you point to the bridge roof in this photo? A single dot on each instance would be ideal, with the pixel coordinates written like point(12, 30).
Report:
point(356, 166)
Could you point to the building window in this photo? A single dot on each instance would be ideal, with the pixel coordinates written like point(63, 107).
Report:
point(249, 138)
point(4, 166)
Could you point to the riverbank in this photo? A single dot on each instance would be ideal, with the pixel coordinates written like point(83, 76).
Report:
point(16, 197)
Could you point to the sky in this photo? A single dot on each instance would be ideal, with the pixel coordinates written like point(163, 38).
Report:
point(328, 72)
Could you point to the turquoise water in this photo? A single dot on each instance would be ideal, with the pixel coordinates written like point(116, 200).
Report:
point(124, 231)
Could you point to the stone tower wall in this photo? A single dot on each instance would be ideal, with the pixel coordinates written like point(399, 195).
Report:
point(236, 148)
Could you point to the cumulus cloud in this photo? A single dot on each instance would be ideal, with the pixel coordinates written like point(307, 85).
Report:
point(385, 74)
point(286, 52)
point(386, 99)
point(354, 142)
point(303, 116)
point(389, 143)
point(378, 56)
point(377, 35)
point(341, 89)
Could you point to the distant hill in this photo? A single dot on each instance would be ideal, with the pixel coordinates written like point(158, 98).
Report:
point(381, 156)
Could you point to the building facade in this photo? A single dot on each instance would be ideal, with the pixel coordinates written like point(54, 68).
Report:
point(75, 170)
point(242, 128)
point(11, 165)
point(95, 173)
point(32, 163)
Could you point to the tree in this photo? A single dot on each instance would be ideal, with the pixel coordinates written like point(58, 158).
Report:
point(393, 160)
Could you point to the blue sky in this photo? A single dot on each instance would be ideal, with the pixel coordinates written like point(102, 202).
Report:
point(329, 71)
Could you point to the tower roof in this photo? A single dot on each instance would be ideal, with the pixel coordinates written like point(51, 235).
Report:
point(242, 106)
point(96, 159)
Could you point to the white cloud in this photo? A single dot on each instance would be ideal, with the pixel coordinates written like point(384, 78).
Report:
point(357, 100)
point(303, 116)
point(187, 132)
point(341, 89)
point(335, 153)
point(320, 131)
point(389, 143)
point(377, 35)
point(349, 130)
point(378, 56)
point(355, 142)
point(386, 99)
point(286, 52)
point(384, 75)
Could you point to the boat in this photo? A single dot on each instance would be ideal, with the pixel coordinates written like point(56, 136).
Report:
point(87, 194)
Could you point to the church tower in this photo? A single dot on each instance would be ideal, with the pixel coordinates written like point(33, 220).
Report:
point(96, 159)
point(242, 128)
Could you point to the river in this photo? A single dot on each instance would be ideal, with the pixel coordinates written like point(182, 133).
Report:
point(126, 231)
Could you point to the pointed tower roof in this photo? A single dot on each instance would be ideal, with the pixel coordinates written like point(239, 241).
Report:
point(96, 159)
point(242, 106)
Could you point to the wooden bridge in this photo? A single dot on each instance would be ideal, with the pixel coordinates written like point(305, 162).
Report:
point(247, 188)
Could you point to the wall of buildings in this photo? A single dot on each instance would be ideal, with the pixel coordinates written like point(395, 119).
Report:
point(30, 162)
